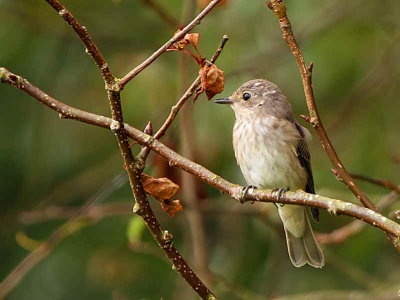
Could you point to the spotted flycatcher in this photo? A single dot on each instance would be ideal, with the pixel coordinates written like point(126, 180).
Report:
point(271, 150)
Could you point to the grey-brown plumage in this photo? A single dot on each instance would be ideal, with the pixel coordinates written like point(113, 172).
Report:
point(271, 150)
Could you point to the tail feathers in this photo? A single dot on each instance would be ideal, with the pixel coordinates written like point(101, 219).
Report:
point(305, 249)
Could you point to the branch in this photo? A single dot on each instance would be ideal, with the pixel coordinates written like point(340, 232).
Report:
point(102, 211)
point(94, 213)
point(333, 206)
point(175, 109)
point(279, 8)
point(58, 235)
point(190, 188)
point(132, 166)
point(164, 47)
point(343, 233)
point(383, 183)
point(83, 34)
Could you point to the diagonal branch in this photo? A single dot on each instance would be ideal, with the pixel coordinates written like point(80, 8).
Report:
point(175, 109)
point(45, 248)
point(279, 8)
point(383, 183)
point(123, 81)
point(341, 234)
point(133, 166)
point(333, 206)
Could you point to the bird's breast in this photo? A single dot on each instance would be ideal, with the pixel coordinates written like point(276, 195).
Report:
point(265, 149)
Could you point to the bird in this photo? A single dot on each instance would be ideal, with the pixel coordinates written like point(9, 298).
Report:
point(271, 150)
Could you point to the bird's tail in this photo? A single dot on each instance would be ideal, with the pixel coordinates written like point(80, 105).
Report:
point(304, 249)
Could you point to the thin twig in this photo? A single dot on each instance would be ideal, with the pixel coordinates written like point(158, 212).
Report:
point(349, 230)
point(94, 213)
point(101, 211)
point(279, 8)
point(40, 253)
point(132, 166)
point(162, 13)
point(124, 80)
point(175, 109)
point(383, 183)
point(195, 235)
point(333, 206)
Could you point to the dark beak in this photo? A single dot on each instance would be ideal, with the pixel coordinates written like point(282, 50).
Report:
point(224, 101)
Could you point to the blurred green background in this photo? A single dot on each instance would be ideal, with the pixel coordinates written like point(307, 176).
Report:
point(49, 167)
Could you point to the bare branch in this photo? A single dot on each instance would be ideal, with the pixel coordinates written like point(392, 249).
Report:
point(383, 183)
point(132, 166)
point(95, 212)
point(134, 172)
point(40, 253)
point(279, 8)
point(347, 231)
point(333, 206)
point(164, 47)
point(175, 109)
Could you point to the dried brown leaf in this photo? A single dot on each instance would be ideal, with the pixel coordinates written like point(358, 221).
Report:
point(171, 207)
point(212, 80)
point(163, 189)
point(192, 38)
point(160, 188)
point(188, 39)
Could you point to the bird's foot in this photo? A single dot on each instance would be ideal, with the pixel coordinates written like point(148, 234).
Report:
point(245, 191)
point(279, 193)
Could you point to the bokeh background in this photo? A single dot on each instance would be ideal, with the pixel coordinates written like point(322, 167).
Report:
point(50, 167)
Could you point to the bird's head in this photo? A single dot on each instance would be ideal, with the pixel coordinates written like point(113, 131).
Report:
point(259, 97)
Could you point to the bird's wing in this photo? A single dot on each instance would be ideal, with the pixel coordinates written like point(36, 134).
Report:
point(303, 156)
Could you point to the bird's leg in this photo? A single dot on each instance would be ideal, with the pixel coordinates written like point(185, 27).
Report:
point(279, 193)
point(245, 191)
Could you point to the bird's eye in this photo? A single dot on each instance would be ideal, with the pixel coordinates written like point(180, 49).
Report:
point(246, 96)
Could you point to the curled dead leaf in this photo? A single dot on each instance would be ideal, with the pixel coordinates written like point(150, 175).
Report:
point(160, 188)
point(192, 38)
point(163, 189)
point(171, 207)
point(212, 80)
point(189, 39)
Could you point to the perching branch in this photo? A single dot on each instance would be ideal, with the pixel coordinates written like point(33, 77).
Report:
point(124, 80)
point(133, 166)
point(341, 234)
point(333, 206)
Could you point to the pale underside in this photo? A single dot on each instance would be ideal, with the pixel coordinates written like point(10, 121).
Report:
point(265, 149)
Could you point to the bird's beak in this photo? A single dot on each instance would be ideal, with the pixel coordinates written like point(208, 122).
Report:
point(224, 101)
